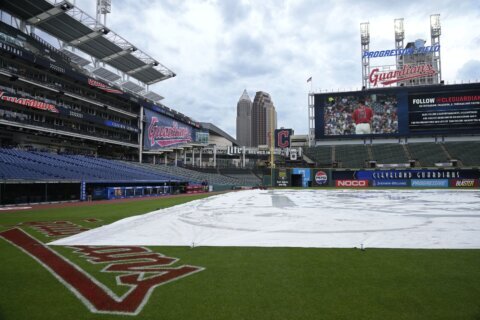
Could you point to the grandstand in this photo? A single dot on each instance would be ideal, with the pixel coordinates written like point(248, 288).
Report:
point(422, 154)
point(69, 111)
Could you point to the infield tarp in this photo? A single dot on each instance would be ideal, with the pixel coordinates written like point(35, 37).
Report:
point(305, 218)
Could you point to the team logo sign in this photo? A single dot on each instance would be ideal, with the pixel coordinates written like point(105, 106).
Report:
point(138, 268)
point(321, 178)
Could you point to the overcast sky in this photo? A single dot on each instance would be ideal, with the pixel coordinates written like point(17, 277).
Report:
point(218, 48)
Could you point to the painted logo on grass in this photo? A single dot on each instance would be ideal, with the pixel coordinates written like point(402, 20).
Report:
point(139, 268)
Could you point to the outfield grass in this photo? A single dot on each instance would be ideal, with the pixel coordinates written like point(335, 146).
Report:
point(252, 283)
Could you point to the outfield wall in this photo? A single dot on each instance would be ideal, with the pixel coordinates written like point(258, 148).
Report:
point(404, 178)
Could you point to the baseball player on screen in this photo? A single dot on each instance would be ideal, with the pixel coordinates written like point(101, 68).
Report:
point(362, 116)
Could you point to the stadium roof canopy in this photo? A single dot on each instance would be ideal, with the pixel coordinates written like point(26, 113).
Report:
point(216, 130)
point(153, 96)
point(76, 28)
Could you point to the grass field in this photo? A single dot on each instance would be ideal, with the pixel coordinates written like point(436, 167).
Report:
point(248, 283)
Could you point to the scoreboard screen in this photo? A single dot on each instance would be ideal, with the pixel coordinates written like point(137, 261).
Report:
point(448, 111)
point(399, 112)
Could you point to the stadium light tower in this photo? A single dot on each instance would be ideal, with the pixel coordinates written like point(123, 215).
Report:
point(435, 32)
point(399, 37)
point(365, 40)
point(103, 8)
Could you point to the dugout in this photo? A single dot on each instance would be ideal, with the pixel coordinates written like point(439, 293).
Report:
point(12, 192)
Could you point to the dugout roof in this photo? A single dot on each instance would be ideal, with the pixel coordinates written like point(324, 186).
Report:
point(74, 27)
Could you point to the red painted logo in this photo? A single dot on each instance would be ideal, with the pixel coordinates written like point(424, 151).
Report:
point(351, 183)
point(406, 73)
point(131, 263)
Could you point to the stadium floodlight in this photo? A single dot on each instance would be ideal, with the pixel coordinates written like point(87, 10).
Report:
point(399, 30)
point(104, 6)
point(365, 32)
point(435, 28)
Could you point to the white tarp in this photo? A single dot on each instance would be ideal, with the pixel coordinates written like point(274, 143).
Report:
point(305, 218)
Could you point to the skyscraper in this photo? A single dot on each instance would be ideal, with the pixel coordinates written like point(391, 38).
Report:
point(264, 118)
point(244, 119)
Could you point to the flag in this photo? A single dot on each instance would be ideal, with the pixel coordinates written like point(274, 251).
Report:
point(309, 79)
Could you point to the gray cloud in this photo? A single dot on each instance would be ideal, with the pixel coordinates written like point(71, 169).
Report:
point(470, 71)
point(233, 11)
point(218, 48)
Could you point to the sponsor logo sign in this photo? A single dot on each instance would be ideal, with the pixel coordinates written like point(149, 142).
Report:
point(432, 183)
point(321, 178)
point(400, 52)
point(413, 174)
point(351, 183)
point(282, 178)
point(464, 183)
point(32, 103)
point(136, 267)
point(390, 183)
point(406, 73)
point(103, 87)
point(282, 138)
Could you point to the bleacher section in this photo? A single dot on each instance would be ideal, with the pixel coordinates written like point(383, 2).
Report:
point(245, 176)
point(466, 152)
point(33, 165)
point(322, 155)
point(351, 156)
point(427, 154)
point(199, 176)
point(389, 153)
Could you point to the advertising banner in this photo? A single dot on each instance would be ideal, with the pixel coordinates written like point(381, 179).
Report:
point(321, 178)
point(351, 183)
point(432, 183)
point(390, 183)
point(464, 183)
point(282, 178)
point(161, 132)
point(415, 174)
point(453, 111)
point(27, 102)
point(83, 191)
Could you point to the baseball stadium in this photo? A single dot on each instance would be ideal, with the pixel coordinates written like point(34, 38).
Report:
point(114, 205)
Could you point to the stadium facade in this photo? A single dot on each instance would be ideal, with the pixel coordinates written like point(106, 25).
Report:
point(65, 110)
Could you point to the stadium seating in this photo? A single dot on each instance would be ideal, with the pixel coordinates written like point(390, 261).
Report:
point(32, 165)
point(389, 153)
point(322, 155)
point(427, 154)
point(199, 177)
point(351, 156)
point(466, 152)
